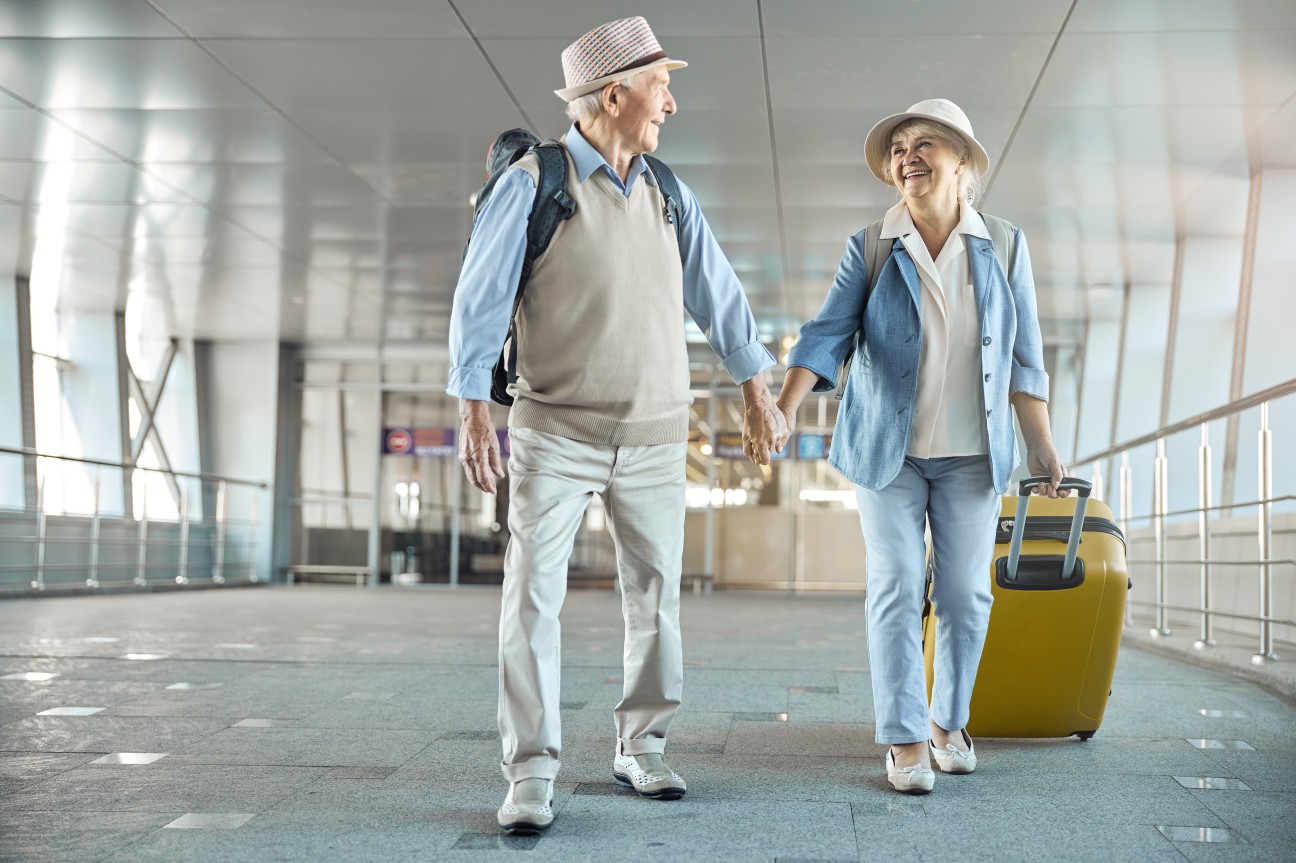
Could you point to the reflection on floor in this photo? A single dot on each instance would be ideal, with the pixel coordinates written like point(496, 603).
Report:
point(341, 724)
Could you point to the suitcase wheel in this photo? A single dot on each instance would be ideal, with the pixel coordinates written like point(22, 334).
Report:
point(1083, 735)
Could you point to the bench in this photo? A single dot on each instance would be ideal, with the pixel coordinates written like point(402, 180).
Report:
point(324, 571)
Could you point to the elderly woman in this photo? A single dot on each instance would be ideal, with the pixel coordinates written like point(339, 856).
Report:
point(944, 342)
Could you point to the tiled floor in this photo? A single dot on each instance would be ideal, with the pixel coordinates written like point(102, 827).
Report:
point(328, 724)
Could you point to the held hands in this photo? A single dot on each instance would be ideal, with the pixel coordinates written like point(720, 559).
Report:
point(478, 446)
point(1043, 460)
point(765, 429)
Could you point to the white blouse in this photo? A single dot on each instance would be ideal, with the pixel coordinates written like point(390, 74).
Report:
point(949, 411)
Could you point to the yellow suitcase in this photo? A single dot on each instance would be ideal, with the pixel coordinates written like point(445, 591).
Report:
point(1050, 651)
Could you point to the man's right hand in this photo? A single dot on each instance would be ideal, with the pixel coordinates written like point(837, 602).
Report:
point(478, 446)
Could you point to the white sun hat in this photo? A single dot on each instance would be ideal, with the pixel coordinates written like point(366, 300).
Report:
point(877, 145)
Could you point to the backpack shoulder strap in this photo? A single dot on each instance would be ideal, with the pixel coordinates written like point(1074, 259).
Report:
point(876, 254)
point(1003, 236)
point(668, 185)
point(552, 203)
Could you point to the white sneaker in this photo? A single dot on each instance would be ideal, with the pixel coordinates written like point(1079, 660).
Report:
point(648, 775)
point(909, 780)
point(528, 808)
point(952, 759)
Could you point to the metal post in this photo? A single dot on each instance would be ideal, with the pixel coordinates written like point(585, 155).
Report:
point(252, 534)
point(379, 493)
point(1265, 486)
point(140, 579)
point(1203, 535)
point(218, 568)
point(93, 580)
point(1126, 502)
point(39, 582)
point(456, 518)
point(708, 514)
point(1096, 478)
point(1160, 487)
point(182, 575)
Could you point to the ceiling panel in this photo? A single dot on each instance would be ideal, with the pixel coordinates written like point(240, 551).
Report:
point(265, 185)
point(1170, 69)
point(117, 223)
point(364, 136)
point(983, 72)
point(323, 19)
point(836, 18)
point(688, 137)
point(119, 73)
point(389, 74)
point(1277, 140)
point(1217, 205)
point(1106, 16)
point(28, 135)
point(1201, 136)
point(294, 221)
point(231, 250)
point(569, 20)
point(259, 135)
point(84, 182)
point(83, 19)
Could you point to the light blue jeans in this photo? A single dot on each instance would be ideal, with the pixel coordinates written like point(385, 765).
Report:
point(956, 497)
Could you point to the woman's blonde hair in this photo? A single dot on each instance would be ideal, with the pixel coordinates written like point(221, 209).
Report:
point(970, 180)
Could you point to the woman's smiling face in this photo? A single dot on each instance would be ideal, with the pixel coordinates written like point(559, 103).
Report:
point(924, 165)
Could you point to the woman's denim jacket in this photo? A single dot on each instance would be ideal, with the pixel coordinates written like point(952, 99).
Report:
point(876, 412)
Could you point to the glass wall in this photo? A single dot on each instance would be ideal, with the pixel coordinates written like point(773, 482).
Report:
point(108, 399)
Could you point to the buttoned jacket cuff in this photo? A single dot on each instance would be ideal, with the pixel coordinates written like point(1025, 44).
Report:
point(470, 384)
point(1033, 382)
point(748, 361)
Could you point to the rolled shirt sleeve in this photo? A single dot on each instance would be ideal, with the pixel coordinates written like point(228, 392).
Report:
point(488, 281)
point(825, 340)
point(1028, 374)
point(714, 297)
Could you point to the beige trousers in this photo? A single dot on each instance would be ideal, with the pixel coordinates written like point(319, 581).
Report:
point(551, 482)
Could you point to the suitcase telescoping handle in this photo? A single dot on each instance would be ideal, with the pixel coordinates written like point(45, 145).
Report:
point(1082, 488)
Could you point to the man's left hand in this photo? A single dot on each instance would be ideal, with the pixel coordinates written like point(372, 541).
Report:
point(765, 429)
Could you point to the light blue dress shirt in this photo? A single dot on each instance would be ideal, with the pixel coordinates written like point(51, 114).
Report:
point(483, 299)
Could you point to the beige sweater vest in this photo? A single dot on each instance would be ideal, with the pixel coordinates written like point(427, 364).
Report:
point(601, 352)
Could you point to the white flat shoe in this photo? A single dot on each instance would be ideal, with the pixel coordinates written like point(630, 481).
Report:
point(952, 759)
point(648, 775)
point(909, 780)
point(528, 808)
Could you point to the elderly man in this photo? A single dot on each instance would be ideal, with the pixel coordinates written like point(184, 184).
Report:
point(601, 404)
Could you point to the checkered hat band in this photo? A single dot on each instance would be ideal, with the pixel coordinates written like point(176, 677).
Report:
point(614, 47)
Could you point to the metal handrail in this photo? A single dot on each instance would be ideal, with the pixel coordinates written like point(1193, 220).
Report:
point(125, 465)
point(1160, 512)
point(142, 566)
point(1217, 508)
point(1253, 400)
point(1217, 613)
point(1212, 561)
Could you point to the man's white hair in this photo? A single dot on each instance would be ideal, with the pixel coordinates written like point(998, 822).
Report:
point(584, 109)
